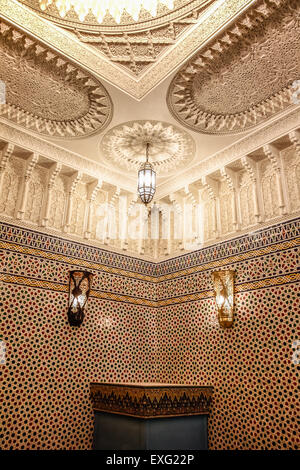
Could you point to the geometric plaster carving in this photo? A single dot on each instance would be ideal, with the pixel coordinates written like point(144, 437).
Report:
point(47, 93)
point(108, 24)
point(213, 17)
point(244, 146)
point(245, 75)
point(170, 147)
point(131, 44)
point(138, 50)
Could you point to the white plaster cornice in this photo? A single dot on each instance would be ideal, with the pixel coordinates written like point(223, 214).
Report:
point(10, 134)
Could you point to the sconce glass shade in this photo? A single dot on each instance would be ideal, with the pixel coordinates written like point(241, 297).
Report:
point(223, 282)
point(79, 291)
point(146, 182)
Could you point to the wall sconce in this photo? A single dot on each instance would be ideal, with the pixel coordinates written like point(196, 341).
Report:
point(223, 282)
point(79, 291)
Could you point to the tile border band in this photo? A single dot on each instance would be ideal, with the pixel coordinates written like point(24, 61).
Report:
point(70, 260)
point(240, 288)
point(260, 234)
point(281, 246)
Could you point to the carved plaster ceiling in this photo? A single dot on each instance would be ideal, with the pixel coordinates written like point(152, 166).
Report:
point(146, 20)
point(245, 75)
point(170, 147)
point(47, 93)
point(54, 85)
point(131, 44)
point(134, 57)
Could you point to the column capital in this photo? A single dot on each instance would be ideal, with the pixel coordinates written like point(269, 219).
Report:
point(250, 166)
point(6, 153)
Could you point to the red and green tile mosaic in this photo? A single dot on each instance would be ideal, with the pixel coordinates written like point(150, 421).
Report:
point(49, 365)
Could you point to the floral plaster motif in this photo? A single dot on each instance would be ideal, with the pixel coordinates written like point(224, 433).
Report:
point(170, 147)
point(133, 45)
point(71, 20)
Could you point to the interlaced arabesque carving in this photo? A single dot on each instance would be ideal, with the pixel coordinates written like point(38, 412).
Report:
point(245, 75)
point(130, 44)
point(89, 23)
point(45, 92)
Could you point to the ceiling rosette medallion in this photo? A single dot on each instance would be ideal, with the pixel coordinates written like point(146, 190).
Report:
point(245, 76)
point(47, 93)
point(170, 148)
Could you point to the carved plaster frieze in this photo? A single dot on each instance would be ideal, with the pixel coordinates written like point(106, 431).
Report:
point(48, 195)
point(288, 121)
point(214, 17)
point(170, 147)
point(245, 75)
point(133, 45)
point(47, 93)
point(32, 143)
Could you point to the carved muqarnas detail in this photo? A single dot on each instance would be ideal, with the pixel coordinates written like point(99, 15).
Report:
point(245, 76)
point(137, 50)
point(45, 92)
point(147, 403)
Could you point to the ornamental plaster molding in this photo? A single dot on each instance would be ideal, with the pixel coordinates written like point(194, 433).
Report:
point(214, 18)
point(216, 92)
point(288, 123)
point(5, 155)
point(136, 48)
point(127, 23)
point(170, 147)
point(57, 154)
point(284, 124)
point(36, 190)
point(47, 93)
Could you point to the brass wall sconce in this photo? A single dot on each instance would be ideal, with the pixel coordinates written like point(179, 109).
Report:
point(79, 291)
point(223, 282)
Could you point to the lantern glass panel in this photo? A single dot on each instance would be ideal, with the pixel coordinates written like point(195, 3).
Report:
point(79, 290)
point(146, 183)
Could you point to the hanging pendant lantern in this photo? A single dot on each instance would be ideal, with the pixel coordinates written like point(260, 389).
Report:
point(146, 180)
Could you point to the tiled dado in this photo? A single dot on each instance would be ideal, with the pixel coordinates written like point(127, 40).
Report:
point(59, 249)
point(149, 323)
point(41, 267)
point(256, 383)
point(49, 365)
point(40, 260)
